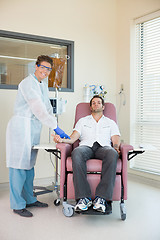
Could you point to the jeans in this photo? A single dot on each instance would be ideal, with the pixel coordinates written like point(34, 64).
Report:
point(109, 157)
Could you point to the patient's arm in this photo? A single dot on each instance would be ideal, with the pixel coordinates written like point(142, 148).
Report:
point(73, 137)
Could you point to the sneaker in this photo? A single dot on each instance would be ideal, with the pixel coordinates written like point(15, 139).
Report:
point(109, 207)
point(99, 204)
point(37, 204)
point(23, 212)
point(83, 204)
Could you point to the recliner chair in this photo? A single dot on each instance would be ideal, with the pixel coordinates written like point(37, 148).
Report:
point(94, 166)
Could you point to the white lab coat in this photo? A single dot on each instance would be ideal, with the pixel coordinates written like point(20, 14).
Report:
point(32, 109)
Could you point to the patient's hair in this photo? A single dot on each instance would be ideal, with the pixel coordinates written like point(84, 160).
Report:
point(44, 58)
point(97, 96)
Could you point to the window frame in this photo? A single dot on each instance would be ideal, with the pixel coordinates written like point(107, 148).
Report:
point(41, 39)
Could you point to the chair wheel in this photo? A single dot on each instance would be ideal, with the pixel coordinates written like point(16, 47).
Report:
point(57, 202)
point(123, 217)
point(123, 211)
point(68, 211)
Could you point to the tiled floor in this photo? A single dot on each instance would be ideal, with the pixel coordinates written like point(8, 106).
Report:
point(142, 223)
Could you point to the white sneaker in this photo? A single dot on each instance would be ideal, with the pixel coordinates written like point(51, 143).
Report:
point(99, 204)
point(83, 204)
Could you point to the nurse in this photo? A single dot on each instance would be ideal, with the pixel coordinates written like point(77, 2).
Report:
point(32, 109)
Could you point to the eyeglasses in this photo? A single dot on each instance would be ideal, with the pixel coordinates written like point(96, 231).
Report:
point(45, 68)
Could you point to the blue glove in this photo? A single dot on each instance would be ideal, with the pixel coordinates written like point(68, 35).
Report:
point(61, 133)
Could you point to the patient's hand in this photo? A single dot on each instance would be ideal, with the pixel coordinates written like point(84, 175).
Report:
point(57, 138)
point(116, 147)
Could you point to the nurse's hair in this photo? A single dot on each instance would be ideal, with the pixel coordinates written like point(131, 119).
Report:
point(44, 58)
point(96, 96)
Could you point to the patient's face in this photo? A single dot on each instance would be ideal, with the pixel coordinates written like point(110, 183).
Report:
point(97, 105)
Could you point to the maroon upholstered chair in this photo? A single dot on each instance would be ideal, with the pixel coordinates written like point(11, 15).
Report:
point(94, 166)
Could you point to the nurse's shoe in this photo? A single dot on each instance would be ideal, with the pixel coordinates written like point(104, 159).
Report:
point(37, 204)
point(23, 212)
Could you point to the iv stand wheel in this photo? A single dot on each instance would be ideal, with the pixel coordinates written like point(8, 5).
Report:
point(57, 202)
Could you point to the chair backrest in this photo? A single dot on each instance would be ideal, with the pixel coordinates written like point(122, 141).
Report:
point(83, 110)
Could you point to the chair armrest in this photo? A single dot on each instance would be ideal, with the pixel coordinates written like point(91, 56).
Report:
point(124, 149)
point(65, 150)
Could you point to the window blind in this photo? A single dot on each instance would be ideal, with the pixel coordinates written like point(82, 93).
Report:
point(147, 99)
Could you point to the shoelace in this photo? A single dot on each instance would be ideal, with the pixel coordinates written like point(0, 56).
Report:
point(83, 200)
point(96, 199)
point(100, 200)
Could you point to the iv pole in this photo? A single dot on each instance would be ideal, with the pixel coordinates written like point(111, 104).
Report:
point(56, 96)
point(55, 185)
point(56, 157)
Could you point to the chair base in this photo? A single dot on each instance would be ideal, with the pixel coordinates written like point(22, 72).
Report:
point(91, 211)
point(68, 210)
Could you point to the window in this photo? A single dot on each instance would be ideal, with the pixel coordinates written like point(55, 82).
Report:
point(146, 94)
point(18, 54)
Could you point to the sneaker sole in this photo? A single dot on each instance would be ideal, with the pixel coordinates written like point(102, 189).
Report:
point(99, 209)
point(79, 209)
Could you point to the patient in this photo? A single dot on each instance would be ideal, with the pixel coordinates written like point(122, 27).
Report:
point(99, 138)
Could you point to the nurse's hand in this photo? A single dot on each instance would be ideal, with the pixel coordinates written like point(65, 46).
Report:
point(57, 138)
point(61, 133)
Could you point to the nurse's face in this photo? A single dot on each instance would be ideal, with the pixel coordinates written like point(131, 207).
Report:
point(43, 70)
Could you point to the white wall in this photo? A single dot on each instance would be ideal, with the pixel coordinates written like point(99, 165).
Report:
point(92, 25)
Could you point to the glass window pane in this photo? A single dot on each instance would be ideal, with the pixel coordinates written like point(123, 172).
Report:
point(18, 58)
